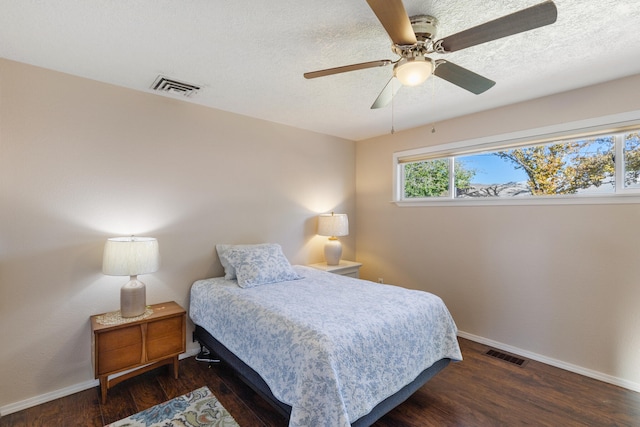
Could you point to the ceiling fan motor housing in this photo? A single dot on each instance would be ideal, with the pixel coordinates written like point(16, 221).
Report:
point(424, 26)
point(414, 67)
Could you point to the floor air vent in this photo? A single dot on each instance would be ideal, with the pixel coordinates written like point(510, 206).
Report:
point(163, 84)
point(506, 357)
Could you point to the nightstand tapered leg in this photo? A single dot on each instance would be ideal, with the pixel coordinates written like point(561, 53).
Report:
point(176, 364)
point(104, 386)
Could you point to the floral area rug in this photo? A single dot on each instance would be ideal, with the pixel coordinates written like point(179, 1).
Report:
point(200, 408)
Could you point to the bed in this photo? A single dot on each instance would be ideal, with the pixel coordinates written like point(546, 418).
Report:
point(323, 349)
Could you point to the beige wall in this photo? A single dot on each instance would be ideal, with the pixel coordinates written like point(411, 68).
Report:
point(81, 161)
point(561, 282)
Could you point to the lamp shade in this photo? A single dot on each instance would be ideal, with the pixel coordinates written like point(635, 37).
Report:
point(130, 256)
point(334, 225)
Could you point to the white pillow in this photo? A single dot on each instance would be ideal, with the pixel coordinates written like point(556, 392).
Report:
point(260, 265)
point(229, 271)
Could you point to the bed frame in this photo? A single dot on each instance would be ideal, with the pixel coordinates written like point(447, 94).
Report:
point(255, 381)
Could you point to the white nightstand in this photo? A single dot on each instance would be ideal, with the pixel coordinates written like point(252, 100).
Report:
point(345, 268)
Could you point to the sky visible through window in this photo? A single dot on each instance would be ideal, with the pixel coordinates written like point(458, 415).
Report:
point(491, 169)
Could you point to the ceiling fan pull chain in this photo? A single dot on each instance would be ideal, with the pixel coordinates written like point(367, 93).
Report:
point(392, 110)
point(433, 98)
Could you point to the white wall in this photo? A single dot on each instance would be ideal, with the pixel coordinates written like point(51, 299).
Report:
point(81, 161)
point(560, 282)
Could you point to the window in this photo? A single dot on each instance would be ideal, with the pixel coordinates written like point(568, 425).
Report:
point(631, 156)
point(586, 164)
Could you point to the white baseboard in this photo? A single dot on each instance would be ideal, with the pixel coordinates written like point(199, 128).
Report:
point(63, 392)
point(630, 385)
point(47, 397)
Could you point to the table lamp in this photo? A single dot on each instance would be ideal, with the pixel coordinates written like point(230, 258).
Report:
point(334, 226)
point(131, 256)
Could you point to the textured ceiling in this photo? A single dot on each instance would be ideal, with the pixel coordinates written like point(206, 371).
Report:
point(249, 56)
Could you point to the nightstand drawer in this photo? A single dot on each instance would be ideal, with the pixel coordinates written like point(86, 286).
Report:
point(164, 328)
point(355, 274)
point(344, 268)
point(119, 349)
point(119, 359)
point(165, 337)
point(120, 338)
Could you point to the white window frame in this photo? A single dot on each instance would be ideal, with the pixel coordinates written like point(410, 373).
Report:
point(522, 138)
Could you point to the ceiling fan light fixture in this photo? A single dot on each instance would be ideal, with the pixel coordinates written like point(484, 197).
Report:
point(413, 71)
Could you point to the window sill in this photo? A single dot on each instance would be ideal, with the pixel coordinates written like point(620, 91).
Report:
point(608, 199)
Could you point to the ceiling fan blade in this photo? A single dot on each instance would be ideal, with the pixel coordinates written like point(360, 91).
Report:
point(527, 19)
point(387, 94)
point(394, 19)
point(462, 77)
point(346, 68)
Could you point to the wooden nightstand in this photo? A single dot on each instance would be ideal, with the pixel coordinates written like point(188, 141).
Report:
point(140, 345)
point(345, 268)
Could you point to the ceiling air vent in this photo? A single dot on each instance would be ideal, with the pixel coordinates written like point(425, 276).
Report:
point(175, 87)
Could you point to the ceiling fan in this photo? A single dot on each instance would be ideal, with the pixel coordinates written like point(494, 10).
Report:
point(413, 39)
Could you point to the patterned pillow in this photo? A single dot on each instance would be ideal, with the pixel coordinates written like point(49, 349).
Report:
point(260, 265)
point(229, 271)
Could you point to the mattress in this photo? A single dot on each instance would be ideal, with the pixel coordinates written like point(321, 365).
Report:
point(331, 347)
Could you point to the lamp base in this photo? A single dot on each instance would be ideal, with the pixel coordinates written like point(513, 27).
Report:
point(332, 251)
point(133, 298)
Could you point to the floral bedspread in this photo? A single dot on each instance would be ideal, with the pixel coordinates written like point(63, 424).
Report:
point(332, 347)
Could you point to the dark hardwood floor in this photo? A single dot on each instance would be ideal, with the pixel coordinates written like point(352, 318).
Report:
point(480, 391)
